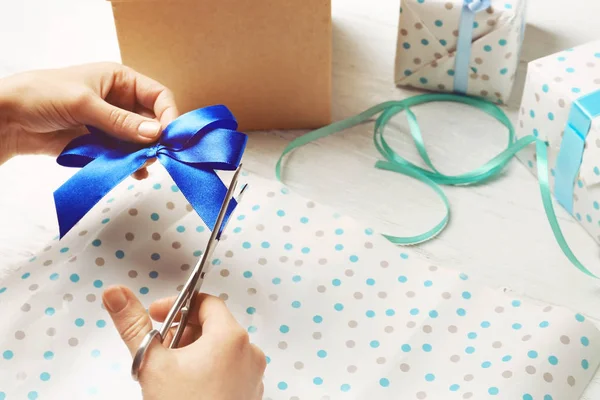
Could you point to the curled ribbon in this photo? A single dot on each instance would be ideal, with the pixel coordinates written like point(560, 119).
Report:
point(191, 148)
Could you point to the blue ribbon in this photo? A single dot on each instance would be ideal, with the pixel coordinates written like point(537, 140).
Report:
point(463, 45)
point(570, 156)
point(191, 148)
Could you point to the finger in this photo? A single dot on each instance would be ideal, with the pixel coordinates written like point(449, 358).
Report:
point(129, 316)
point(154, 96)
point(191, 333)
point(118, 122)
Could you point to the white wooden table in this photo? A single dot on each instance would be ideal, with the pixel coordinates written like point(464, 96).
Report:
point(498, 233)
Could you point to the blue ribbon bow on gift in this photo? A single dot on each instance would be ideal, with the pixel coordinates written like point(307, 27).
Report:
point(191, 148)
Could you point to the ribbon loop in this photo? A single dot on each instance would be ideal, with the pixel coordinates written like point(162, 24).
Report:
point(191, 148)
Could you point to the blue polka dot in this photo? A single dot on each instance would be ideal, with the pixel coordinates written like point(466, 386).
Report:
point(64, 249)
point(246, 245)
point(105, 220)
point(305, 250)
point(545, 88)
point(493, 391)
point(241, 217)
point(485, 324)
point(154, 217)
point(532, 354)
point(144, 290)
point(585, 341)
point(280, 213)
point(338, 307)
point(426, 347)
point(54, 276)
point(475, 25)
point(44, 376)
point(580, 183)
point(317, 319)
point(181, 229)
point(156, 186)
point(33, 395)
point(304, 220)
point(130, 187)
point(470, 350)
point(486, 364)
point(596, 205)
point(547, 397)
point(353, 258)
point(368, 231)
point(79, 322)
point(450, 72)
point(345, 387)
point(247, 274)
point(461, 312)
point(284, 329)
point(405, 348)
point(438, 23)
point(544, 324)
point(339, 247)
point(282, 386)
point(199, 229)
point(516, 303)
point(370, 313)
point(174, 188)
point(384, 382)
point(596, 172)
point(463, 276)
point(508, 6)
point(197, 253)
point(285, 190)
point(98, 283)
point(156, 256)
point(25, 275)
point(336, 282)
point(97, 243)
point(296, 304)
point(551, 116)
point(288, 246)
point(585, 364)
point(487, 48)
point(427, 283)
point(502, 42)
point(390, 313)
point(423, 81)
point(268, 359)
point(532, 113)
point(536, 133)
point(579, 317)
point(101, 323)
point(403, 256)
point(466, 295)
point(252, 329)
point(250, 310)
point(318, 381)
point(527, 396)
point(506, 358)
point(530, 164)
point(265, 245)
point(430, 377)
point(553, 360)
point(575, 90)
point(503, 71)
point(454, 387)
point(374, 344)
point(517, 326)
point(153, 274)
point(8, 355)
point(50, 311)
point(578, 216)
point(110, 200)
point(370, 281)
point(48, 355)
point(296, 278)
point(472, 335)
point(443, 42)
point(276, 281)
point(424, 42)
point(570, 70)
point(414, 311)
point(407, 72)
point(321, 354)
point(74, 278)
point(406, 45)
point(433, 314)
point(402, 279)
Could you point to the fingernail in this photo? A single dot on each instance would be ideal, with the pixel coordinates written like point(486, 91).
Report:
point(149, 129)
point(115, 299)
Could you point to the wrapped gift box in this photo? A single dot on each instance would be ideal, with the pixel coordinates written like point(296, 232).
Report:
point(444, 46)
point(560, 105)
point(269, 61)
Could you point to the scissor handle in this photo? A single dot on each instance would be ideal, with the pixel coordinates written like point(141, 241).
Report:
point(140, 354)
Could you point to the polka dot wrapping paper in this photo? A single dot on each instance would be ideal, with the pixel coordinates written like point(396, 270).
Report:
point(427, 42)
point(553, 84)
point(339, 312)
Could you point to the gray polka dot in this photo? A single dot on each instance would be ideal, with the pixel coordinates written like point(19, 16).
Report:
point(322, 261)
point(271, 194)
point(571, 381)
point(25, 307)
point(384, 264)
point(484, 93)
point(526, 338)
point(262, 261)
point(446, 296)
point(421, 395)
point(21, 376)
point(404, 367)
point(382, 295)
point(433, 268)
point(105, 210)
point(298, 263)
point(548, 377)
point(410, 294)
point(321, 289)
point(224, 273)
point(468, 378)
point(507, 374)
point(417, 60)
point(286, 228)
point(189, 207)
point(561, 103)
point(251, 291)
point(133, 212)
point(558, 79)
point(129, 236)
point(358, 295)
point(499, 310)
point(497, 345)
point(547, 309)
point(34, 287)
point(310, 204)
point(176, 245)
point(388, 329)
point(260, 227)
point(180, 288)
point(427, 328)
point(590, 65)
point(132, 274)
point(83, 233)
point(156, 236)
point(184, 267)
point(99, 261)
point(368, 245)
point(170, 205)
point(350, 344)
point(319, 233)
point(298, 365)
point(403, 32)
point(449, 6)
point(352, 369)
point(19, 335)
point(597, 81)
point(50, 331)
point(223, 237)
point(380, 360)
point(452, 329)
point(352, 324)
point(138, 194)
point(317, 335)
point(537, 98)
point(91, 297)
point(411, 324)
point(283, 259)
point(47, 262)
point(467, 395)
point(282, 345)
point(349, 273)
point(222, 296)
point(73, 259)
point(273, 297)
point(530, 369)
point(73, 342)
point(47, 248)
point(229, 254)
point(565, 339)
point(294, 398)
point(455, 358)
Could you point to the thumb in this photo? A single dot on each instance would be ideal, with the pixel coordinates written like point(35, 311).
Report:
point(121, 123)
point(128, 314)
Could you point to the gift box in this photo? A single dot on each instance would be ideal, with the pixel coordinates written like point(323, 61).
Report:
point(561, 103)
point(268, 60)
point(469, 47)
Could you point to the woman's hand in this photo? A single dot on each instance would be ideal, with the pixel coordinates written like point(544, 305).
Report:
point(221, 364)
point(41, 111)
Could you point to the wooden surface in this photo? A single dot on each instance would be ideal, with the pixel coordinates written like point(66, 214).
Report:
point(498, 233)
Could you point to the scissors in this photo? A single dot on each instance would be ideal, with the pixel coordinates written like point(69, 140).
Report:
point(186, 298)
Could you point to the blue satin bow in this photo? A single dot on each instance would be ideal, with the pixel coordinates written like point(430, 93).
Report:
point(191, 148)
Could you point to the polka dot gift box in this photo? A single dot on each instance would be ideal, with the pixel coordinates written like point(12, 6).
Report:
point(464, 46)
point(339, 311)
point(561, 103)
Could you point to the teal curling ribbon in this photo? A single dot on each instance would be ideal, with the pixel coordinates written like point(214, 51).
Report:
point(570, 156)
point(431, 176)
point(463, 45)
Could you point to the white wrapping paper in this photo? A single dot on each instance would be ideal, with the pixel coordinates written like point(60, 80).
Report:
point(427, 41)
point(553, 83)
point(340, 312)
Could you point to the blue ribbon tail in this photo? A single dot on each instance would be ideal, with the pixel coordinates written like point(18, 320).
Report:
point(89, 185)
point(201, 187)
point(463, 50)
